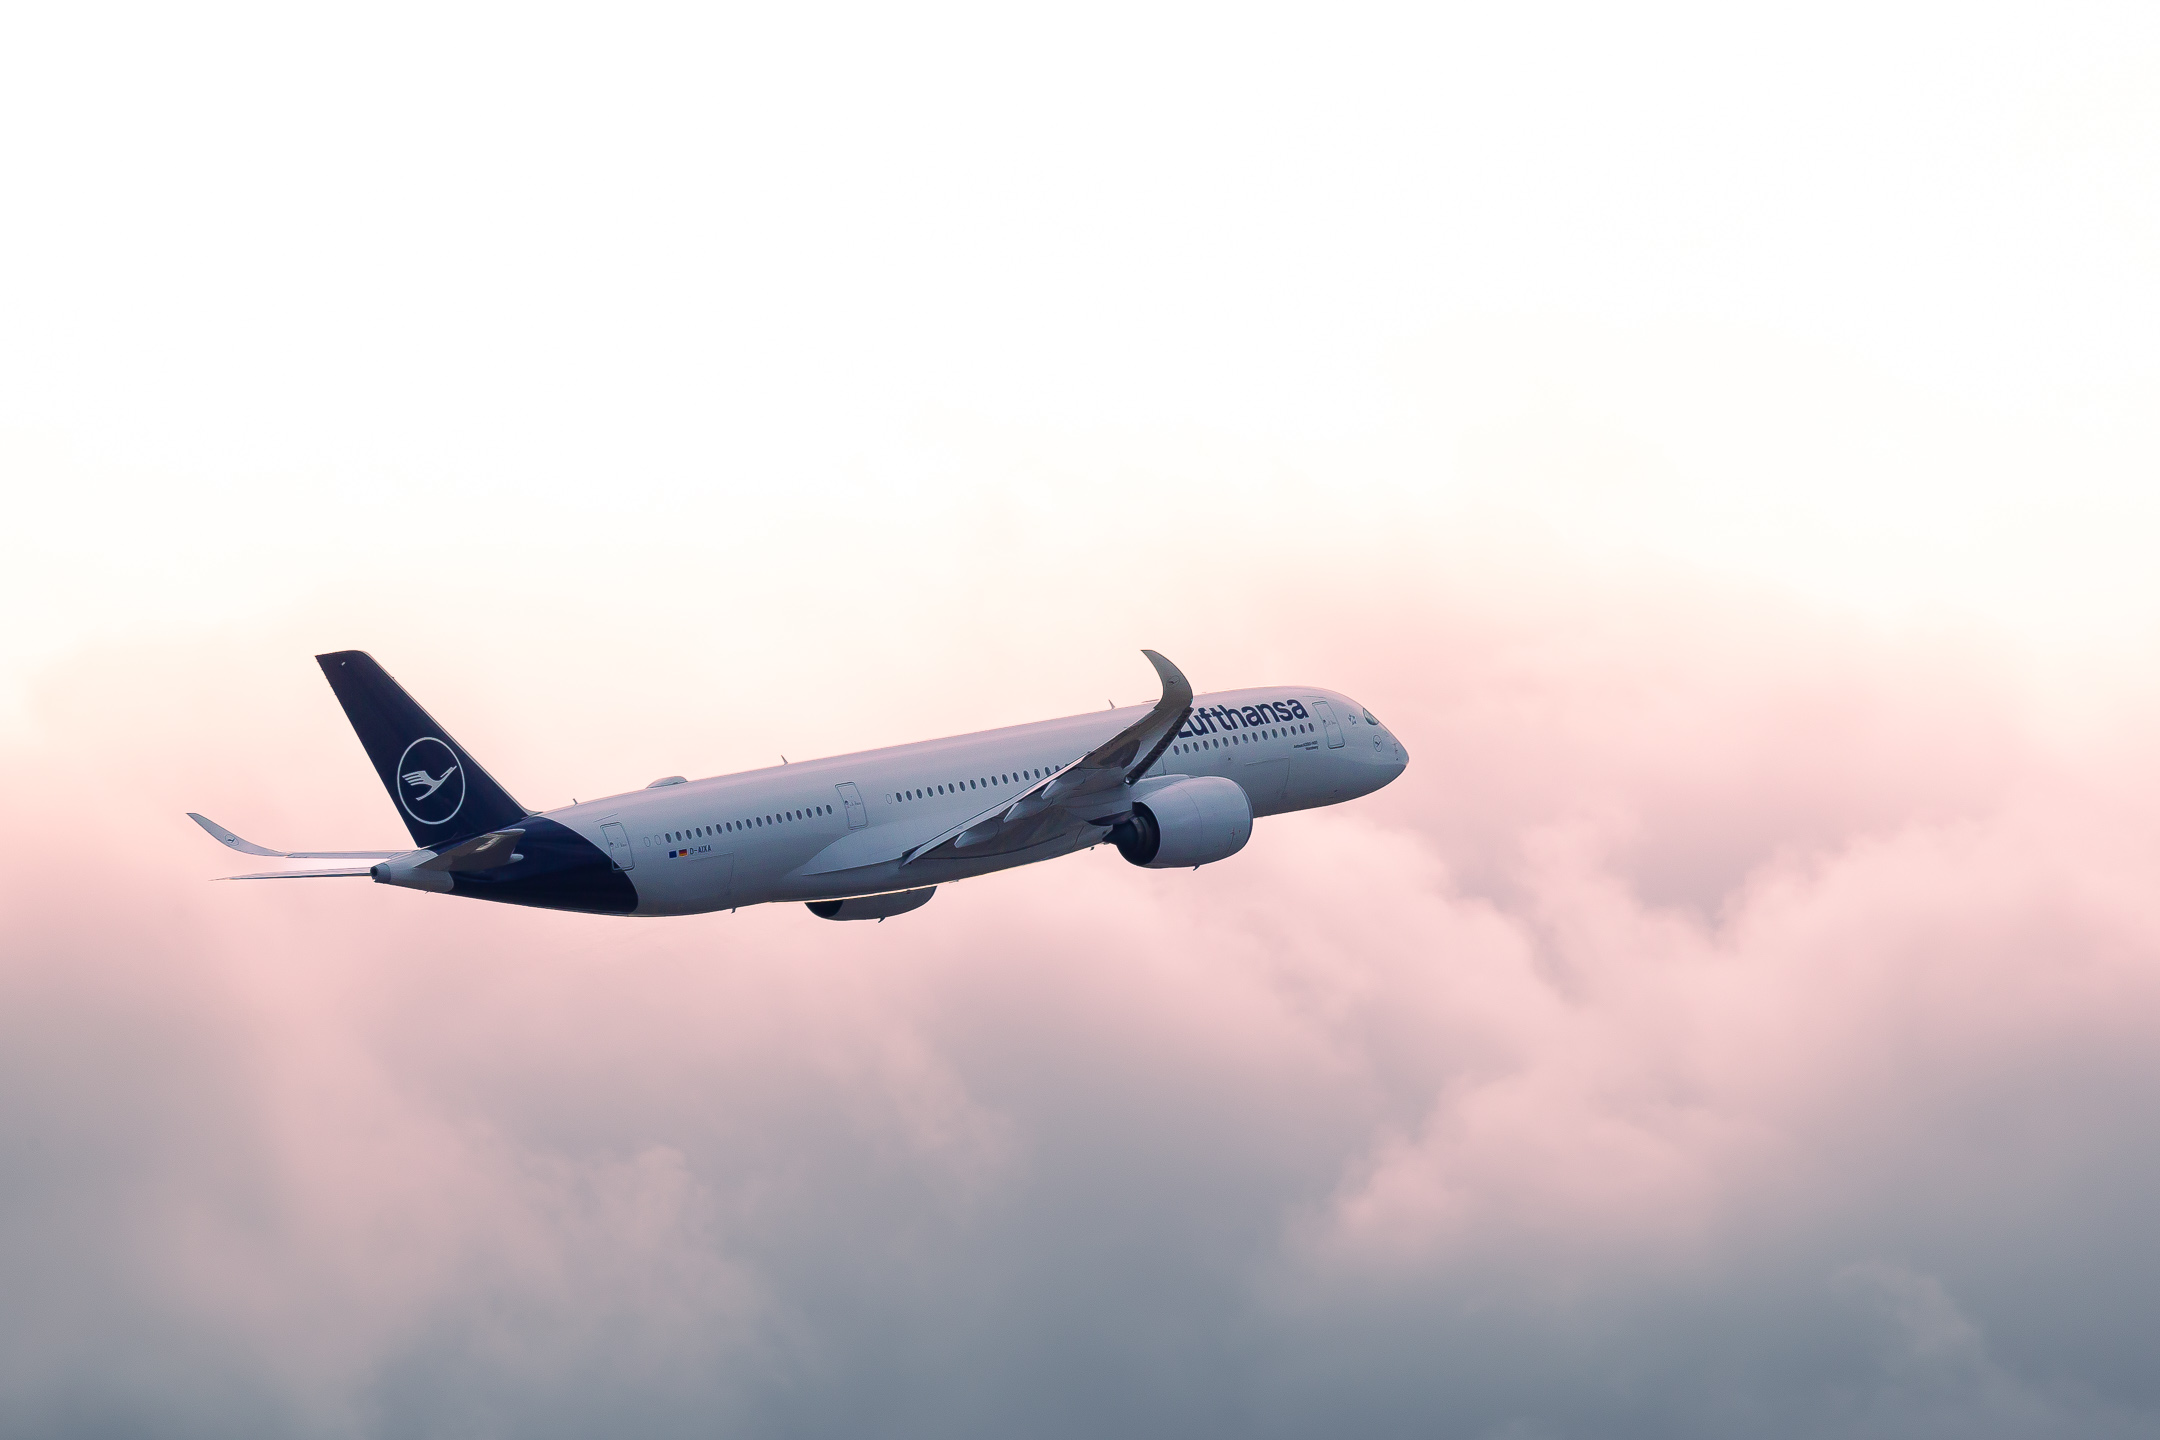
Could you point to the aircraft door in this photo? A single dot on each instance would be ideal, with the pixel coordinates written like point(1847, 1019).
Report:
point(1326, 712)
point(851, 798)
point(618, 846)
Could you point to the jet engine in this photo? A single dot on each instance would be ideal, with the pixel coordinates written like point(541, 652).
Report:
point(1187, 822)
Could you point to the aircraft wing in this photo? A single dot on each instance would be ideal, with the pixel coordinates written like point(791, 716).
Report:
point(1090, 791)
point(231, 841)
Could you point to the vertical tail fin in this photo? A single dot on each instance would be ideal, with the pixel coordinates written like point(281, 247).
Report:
point(441, 791)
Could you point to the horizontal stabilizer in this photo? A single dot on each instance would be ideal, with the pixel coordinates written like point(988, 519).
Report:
point(231, 841)
point(482, 852)
point(299, 875)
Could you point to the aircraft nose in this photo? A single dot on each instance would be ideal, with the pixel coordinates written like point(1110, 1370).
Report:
point(1389, 759)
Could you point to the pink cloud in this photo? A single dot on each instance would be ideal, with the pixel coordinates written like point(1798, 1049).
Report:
point(1729, 992)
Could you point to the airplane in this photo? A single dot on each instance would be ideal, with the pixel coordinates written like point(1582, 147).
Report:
point(864, 836)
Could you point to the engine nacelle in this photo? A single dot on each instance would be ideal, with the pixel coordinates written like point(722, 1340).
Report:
point(1187, 822)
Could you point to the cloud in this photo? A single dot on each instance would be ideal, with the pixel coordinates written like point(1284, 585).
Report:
point(1734, 1021)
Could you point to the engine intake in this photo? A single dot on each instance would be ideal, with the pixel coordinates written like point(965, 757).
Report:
point(1188, 822)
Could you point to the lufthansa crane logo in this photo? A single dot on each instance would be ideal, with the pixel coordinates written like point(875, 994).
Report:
point(430, 781)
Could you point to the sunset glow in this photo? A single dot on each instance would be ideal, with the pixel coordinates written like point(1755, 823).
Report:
point(1722, 449)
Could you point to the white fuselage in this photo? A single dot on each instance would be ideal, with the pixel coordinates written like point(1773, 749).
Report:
point(822, 829)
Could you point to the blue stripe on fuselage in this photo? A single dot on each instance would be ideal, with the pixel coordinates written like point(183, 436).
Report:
point(562, 870)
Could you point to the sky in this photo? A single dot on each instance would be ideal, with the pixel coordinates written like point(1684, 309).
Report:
point(1719, 444)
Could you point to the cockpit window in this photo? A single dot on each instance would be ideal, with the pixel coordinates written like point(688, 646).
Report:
point(1371, 719)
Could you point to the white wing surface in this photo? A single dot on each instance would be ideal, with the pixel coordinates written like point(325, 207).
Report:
point(1089, 792)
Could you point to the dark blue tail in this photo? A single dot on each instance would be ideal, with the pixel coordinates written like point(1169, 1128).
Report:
point(441, 791)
